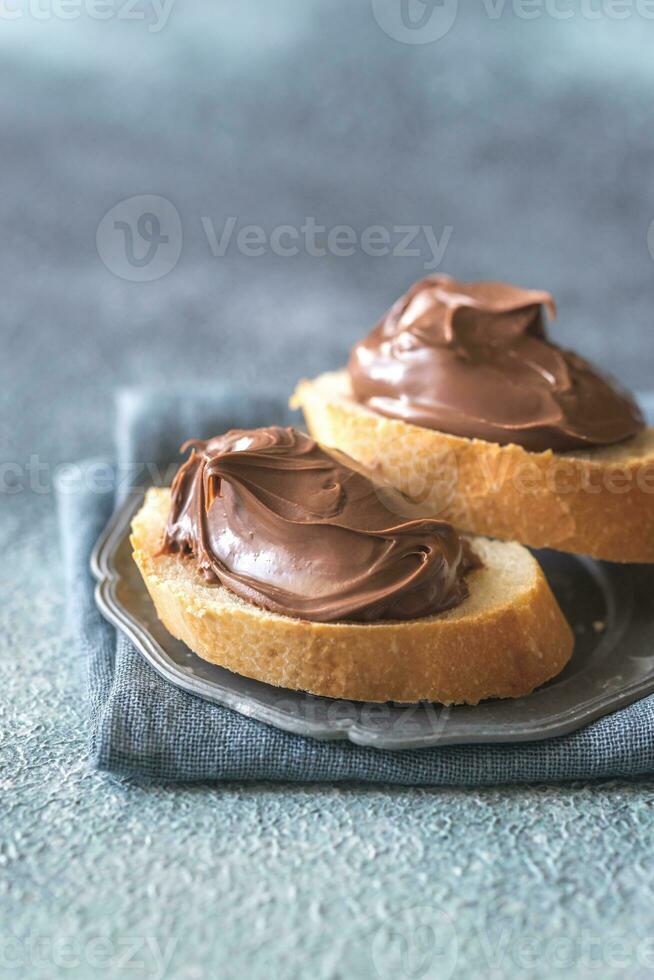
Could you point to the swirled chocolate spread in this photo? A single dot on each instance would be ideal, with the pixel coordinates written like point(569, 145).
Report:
point(474, 360)
point(303, 531)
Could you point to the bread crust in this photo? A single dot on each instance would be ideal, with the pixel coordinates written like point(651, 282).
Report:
point(599, 502)
point(507, 638)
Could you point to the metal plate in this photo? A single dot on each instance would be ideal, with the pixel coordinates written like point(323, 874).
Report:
point(611, 608)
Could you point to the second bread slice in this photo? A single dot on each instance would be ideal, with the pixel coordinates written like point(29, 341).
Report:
point(598, 503)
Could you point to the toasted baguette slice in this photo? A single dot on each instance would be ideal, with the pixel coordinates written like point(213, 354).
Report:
point(504, 640)
point(598, 502)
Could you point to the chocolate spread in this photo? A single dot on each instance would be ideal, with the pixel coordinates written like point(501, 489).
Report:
point(474, 360)
point(302, 530)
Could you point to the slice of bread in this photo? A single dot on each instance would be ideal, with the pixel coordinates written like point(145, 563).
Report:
point(598, 502)
point(505, 639)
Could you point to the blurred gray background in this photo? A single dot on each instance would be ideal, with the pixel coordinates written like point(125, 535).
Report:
point(531, 140)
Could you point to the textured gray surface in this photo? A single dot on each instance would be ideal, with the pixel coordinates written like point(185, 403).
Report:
point(282, 881)
point(533, 140)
